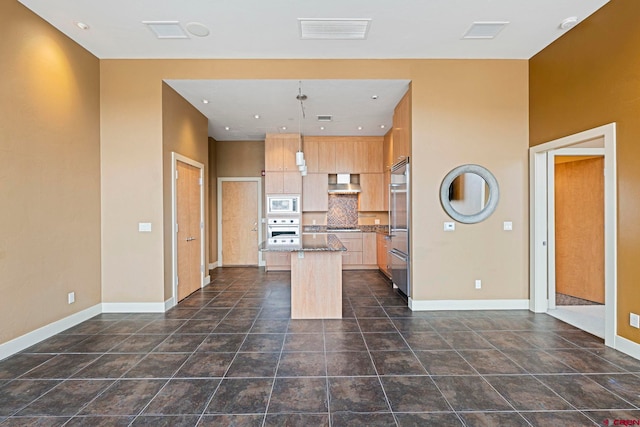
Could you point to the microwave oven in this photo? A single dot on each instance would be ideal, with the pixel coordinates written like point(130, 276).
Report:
point(283, 204)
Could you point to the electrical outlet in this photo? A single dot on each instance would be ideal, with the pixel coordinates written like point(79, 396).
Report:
point(449, 226)
point(376, 221)
point(314, 222)
point(508, 226)
point(478, 284)
point(71, 297)
point(634, 320)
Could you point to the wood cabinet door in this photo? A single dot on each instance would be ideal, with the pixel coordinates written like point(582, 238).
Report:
point(372, 154)
point(310, 148)
point(381, 252)
point(369, 256)
point(273, 182)
point(315, 196)
point(372, 194)
point(291, 183)
point(345, 155)
point(290, 146)
point(387, 151)
point(402, 128)
point(327, 156)
point(273, 153)
point(385, 190)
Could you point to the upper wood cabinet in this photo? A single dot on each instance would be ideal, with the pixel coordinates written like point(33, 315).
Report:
point(372, 195)
point(315, 197)
point(320, 154)
point(387, 151)
point(343, 154)
point(280, 152)
point(282, 182)
point(402, 128)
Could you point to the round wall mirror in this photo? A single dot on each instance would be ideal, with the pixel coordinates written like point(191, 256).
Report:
point(469, 194)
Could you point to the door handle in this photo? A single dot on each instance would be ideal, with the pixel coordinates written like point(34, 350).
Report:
point(255, 226)
point(188, 239)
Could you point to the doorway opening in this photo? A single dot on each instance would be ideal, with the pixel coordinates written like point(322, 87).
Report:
point(599, 320)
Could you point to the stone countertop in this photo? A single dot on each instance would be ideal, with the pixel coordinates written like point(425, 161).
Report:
point(309, 243)
point(384, 229)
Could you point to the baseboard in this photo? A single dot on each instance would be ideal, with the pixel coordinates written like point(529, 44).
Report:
point(207, 280)
point(627, 346)
point(134, 307)
point(169, 303)
point(213, 265)
point(27, 340)
point(489, 304)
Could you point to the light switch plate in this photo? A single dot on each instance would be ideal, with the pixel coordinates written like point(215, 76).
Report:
point(144, 227)
point(634, 320)
point(449, 226)
point(508, 225)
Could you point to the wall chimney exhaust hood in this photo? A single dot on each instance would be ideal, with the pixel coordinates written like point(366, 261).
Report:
point(344, 183)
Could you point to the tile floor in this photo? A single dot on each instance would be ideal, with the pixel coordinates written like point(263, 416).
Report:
point(229, 355)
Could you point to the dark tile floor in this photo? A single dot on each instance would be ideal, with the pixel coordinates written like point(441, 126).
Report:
point(229, 355)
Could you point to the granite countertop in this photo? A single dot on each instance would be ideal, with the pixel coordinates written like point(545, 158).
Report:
point(310, 243)
point(361, 228)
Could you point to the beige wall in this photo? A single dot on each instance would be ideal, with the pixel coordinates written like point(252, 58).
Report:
point(240, 158)
point(463, 111)
point(213, 201)
point(49, 174)
point(588, 78)
point(184, 132)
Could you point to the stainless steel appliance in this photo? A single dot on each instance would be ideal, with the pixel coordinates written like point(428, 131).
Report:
point(283, 231)
point(283, 204)
point(399, 226)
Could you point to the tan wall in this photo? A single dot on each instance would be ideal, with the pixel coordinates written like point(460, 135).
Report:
point(588, 78)
point(185, 132)
point(49, 174)
point(463, 111)
point(240, 158)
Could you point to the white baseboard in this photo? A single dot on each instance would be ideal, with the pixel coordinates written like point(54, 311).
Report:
point(169, 303)
point(213, 266)
point(134, 307)
point(40, 334)
point(627, 346)
point(489, 304)
point(207, 280)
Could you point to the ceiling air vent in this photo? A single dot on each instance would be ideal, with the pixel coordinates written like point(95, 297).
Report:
point(166, 29)
point(333, 29)
point(325, 118)
point(484, 30)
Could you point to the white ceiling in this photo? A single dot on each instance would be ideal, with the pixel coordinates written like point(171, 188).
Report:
point(270, 29)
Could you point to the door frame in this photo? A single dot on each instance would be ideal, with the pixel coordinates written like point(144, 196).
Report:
point(539, 257)
point(260, 218)
point(175, 158)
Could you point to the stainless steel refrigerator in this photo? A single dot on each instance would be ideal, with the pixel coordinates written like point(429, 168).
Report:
point(399, 221)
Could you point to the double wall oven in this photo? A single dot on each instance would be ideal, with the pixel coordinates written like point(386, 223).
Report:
point(283, 231)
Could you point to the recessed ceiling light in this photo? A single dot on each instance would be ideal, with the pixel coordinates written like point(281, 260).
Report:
point(82, 25)
point(484, 30)
point(568, 23)
point(382, 126)
point(256, 116)
point(197, 29)
point(227, 128)
point(283, 128)
point(374, 97)
point(205, 101)
point(359, 127)
point(166, 29)
point(321, 127)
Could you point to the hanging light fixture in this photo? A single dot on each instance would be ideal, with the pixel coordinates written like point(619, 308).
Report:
point(300, 162)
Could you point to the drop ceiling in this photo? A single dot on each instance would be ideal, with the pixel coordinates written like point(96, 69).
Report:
point(271, 30)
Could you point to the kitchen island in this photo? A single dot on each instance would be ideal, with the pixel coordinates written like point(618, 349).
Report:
point(316, 276)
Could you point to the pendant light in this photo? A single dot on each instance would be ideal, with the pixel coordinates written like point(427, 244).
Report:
point(300, 162)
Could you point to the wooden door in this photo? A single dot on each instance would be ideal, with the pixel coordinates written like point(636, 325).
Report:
point(189, 245)
point(240, 223)
point(579, 227)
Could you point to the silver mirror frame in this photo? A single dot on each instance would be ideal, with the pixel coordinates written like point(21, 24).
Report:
point(492, 203)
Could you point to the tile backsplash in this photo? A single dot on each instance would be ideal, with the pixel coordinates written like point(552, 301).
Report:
point(343, 210)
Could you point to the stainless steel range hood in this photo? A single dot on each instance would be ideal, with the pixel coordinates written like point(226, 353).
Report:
point(344, 183)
